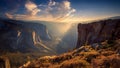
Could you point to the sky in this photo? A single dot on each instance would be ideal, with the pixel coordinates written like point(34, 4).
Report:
point(59, 10)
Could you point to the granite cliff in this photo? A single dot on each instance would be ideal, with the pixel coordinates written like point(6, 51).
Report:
point(21, 36)
point(97, 32)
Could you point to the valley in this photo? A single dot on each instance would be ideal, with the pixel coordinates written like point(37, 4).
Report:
point(23, 42)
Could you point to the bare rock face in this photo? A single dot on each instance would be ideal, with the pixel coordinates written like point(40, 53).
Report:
point(21, 36)
point(4, 62)
point(98, 31)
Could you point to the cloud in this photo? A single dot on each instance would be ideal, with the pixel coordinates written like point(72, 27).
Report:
point(9, 15)
point(52, 11)
point(32, 8)
point(67, 4)
point(57, 10)
point(51, 3)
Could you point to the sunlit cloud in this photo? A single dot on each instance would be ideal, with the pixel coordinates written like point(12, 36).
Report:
point(67, 4)
point(58, 10)
point(52, 11)
point(9, 15)
point(32, 8)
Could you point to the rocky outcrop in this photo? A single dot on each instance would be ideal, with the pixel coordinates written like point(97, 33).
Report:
point(21, 36)
point(4, 62)
point(83, 57)
point(98, 31)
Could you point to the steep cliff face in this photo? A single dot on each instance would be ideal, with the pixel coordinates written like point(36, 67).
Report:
point(98, 31)
point(21, 36)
